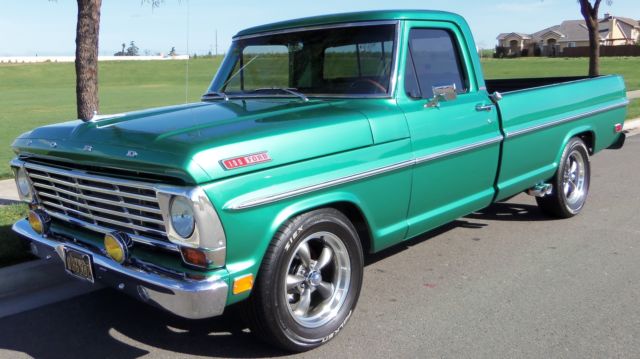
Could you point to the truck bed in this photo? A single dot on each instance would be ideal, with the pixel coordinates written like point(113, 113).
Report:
point(508, 85)
point(538, 117)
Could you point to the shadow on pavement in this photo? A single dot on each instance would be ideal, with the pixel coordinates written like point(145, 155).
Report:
point(109, 324)
point(504, 211)
point(501, 211)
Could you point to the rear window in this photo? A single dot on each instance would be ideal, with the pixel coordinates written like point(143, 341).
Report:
point(358, 60)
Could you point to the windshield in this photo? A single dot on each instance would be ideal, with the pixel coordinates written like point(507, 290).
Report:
point(343, 61)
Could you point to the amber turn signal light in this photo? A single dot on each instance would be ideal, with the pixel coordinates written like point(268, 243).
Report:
point(39, 221)
point(195, 257)
point(243, 284)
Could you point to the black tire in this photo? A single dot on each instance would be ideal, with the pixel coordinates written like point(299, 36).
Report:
point(570, 184)
point(271, 314)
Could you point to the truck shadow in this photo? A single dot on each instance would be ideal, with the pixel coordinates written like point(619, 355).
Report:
point(502, 211)
point(108, 324)
point(509, 211)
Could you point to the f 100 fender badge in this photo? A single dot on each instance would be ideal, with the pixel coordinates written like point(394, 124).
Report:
point(245, 160)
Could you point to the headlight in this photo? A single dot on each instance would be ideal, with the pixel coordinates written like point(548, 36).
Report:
point(182, 218)
point(24, 187)
point(192, 222)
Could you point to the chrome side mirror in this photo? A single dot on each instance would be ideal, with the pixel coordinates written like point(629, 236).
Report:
point(442, 94)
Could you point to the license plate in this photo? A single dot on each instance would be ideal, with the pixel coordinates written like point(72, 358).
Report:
point(78, 264)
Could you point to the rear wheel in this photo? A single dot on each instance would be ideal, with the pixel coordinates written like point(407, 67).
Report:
point(570, 183)
point(309, 282)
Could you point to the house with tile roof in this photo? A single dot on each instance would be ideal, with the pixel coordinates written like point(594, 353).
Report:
point(552, 41)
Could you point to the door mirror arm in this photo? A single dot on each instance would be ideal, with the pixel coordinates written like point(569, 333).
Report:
point(442, 94)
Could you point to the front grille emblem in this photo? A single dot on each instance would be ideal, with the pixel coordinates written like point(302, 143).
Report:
point(88, 148)
point(53, 144)
point(131, 153)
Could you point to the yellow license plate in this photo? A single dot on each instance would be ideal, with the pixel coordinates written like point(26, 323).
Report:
point(78, 264)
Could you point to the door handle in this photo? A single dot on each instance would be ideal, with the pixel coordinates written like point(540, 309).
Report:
point(483, 107)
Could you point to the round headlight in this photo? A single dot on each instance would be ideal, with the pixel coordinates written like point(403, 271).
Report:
point(182, 218)
point(23, 184)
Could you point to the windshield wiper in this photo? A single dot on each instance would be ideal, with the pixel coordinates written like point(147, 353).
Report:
point(290, 91)
point(210, 95)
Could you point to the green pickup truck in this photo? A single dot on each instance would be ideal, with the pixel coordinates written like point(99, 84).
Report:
point(318, 141)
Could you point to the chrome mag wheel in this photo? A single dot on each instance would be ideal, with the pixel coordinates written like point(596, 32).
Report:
point(317, 279)
point(574, 179)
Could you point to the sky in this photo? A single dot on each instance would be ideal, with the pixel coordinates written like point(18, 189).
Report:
point(44, 27)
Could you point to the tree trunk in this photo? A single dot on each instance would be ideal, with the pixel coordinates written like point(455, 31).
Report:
point(590, 14)
point(87, 30)
point(594, 48)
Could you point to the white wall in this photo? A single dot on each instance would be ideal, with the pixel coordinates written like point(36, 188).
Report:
point(32, 59)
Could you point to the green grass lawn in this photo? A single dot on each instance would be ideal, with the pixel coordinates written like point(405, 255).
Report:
point(33, 95)
point(628, 67)
point(12, 249)
point(634, 109)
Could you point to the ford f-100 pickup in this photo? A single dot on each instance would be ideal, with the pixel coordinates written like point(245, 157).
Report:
point(318, 141)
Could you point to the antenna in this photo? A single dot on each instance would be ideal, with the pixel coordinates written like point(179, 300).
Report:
point(186, 86)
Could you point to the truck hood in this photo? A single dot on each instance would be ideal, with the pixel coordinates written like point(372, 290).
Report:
point(192, 140)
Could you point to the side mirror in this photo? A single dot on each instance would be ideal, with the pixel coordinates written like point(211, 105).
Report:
point(442, 94)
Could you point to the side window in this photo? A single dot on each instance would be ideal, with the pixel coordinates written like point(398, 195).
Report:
point(434, 60)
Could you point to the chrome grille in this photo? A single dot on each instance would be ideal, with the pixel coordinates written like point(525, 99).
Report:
point(102, 203)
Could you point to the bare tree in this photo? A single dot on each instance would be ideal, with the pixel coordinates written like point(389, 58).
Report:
point(589, 10)
point(87, 36)
point(87, 31)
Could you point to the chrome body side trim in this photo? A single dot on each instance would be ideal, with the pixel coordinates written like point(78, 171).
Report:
point(303, 190)
point(566, 119)
point(362, 175)
point(192, 299)
point(457, 150)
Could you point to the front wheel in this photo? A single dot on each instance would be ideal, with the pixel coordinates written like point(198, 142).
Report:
point(571, 182)
point(309, 281)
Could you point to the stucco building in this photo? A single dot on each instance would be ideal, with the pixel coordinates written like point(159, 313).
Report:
point(553, 40)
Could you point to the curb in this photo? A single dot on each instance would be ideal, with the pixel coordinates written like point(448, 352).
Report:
point(8, 192)
point(632, 127)
point(36, 283)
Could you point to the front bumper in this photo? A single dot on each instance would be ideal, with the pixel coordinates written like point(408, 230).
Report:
point(192, 299)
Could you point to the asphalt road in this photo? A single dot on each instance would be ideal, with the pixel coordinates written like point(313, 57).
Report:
point(505, 282)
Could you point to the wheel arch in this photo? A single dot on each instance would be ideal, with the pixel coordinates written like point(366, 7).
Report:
point(347, 203)
point(585, 133)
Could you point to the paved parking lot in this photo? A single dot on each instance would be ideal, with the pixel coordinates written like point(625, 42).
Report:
point(504, 282)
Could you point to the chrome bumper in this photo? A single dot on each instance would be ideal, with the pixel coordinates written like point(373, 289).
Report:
point(186, 298)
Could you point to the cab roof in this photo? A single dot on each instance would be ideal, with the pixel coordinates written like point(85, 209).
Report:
point(378, 15)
